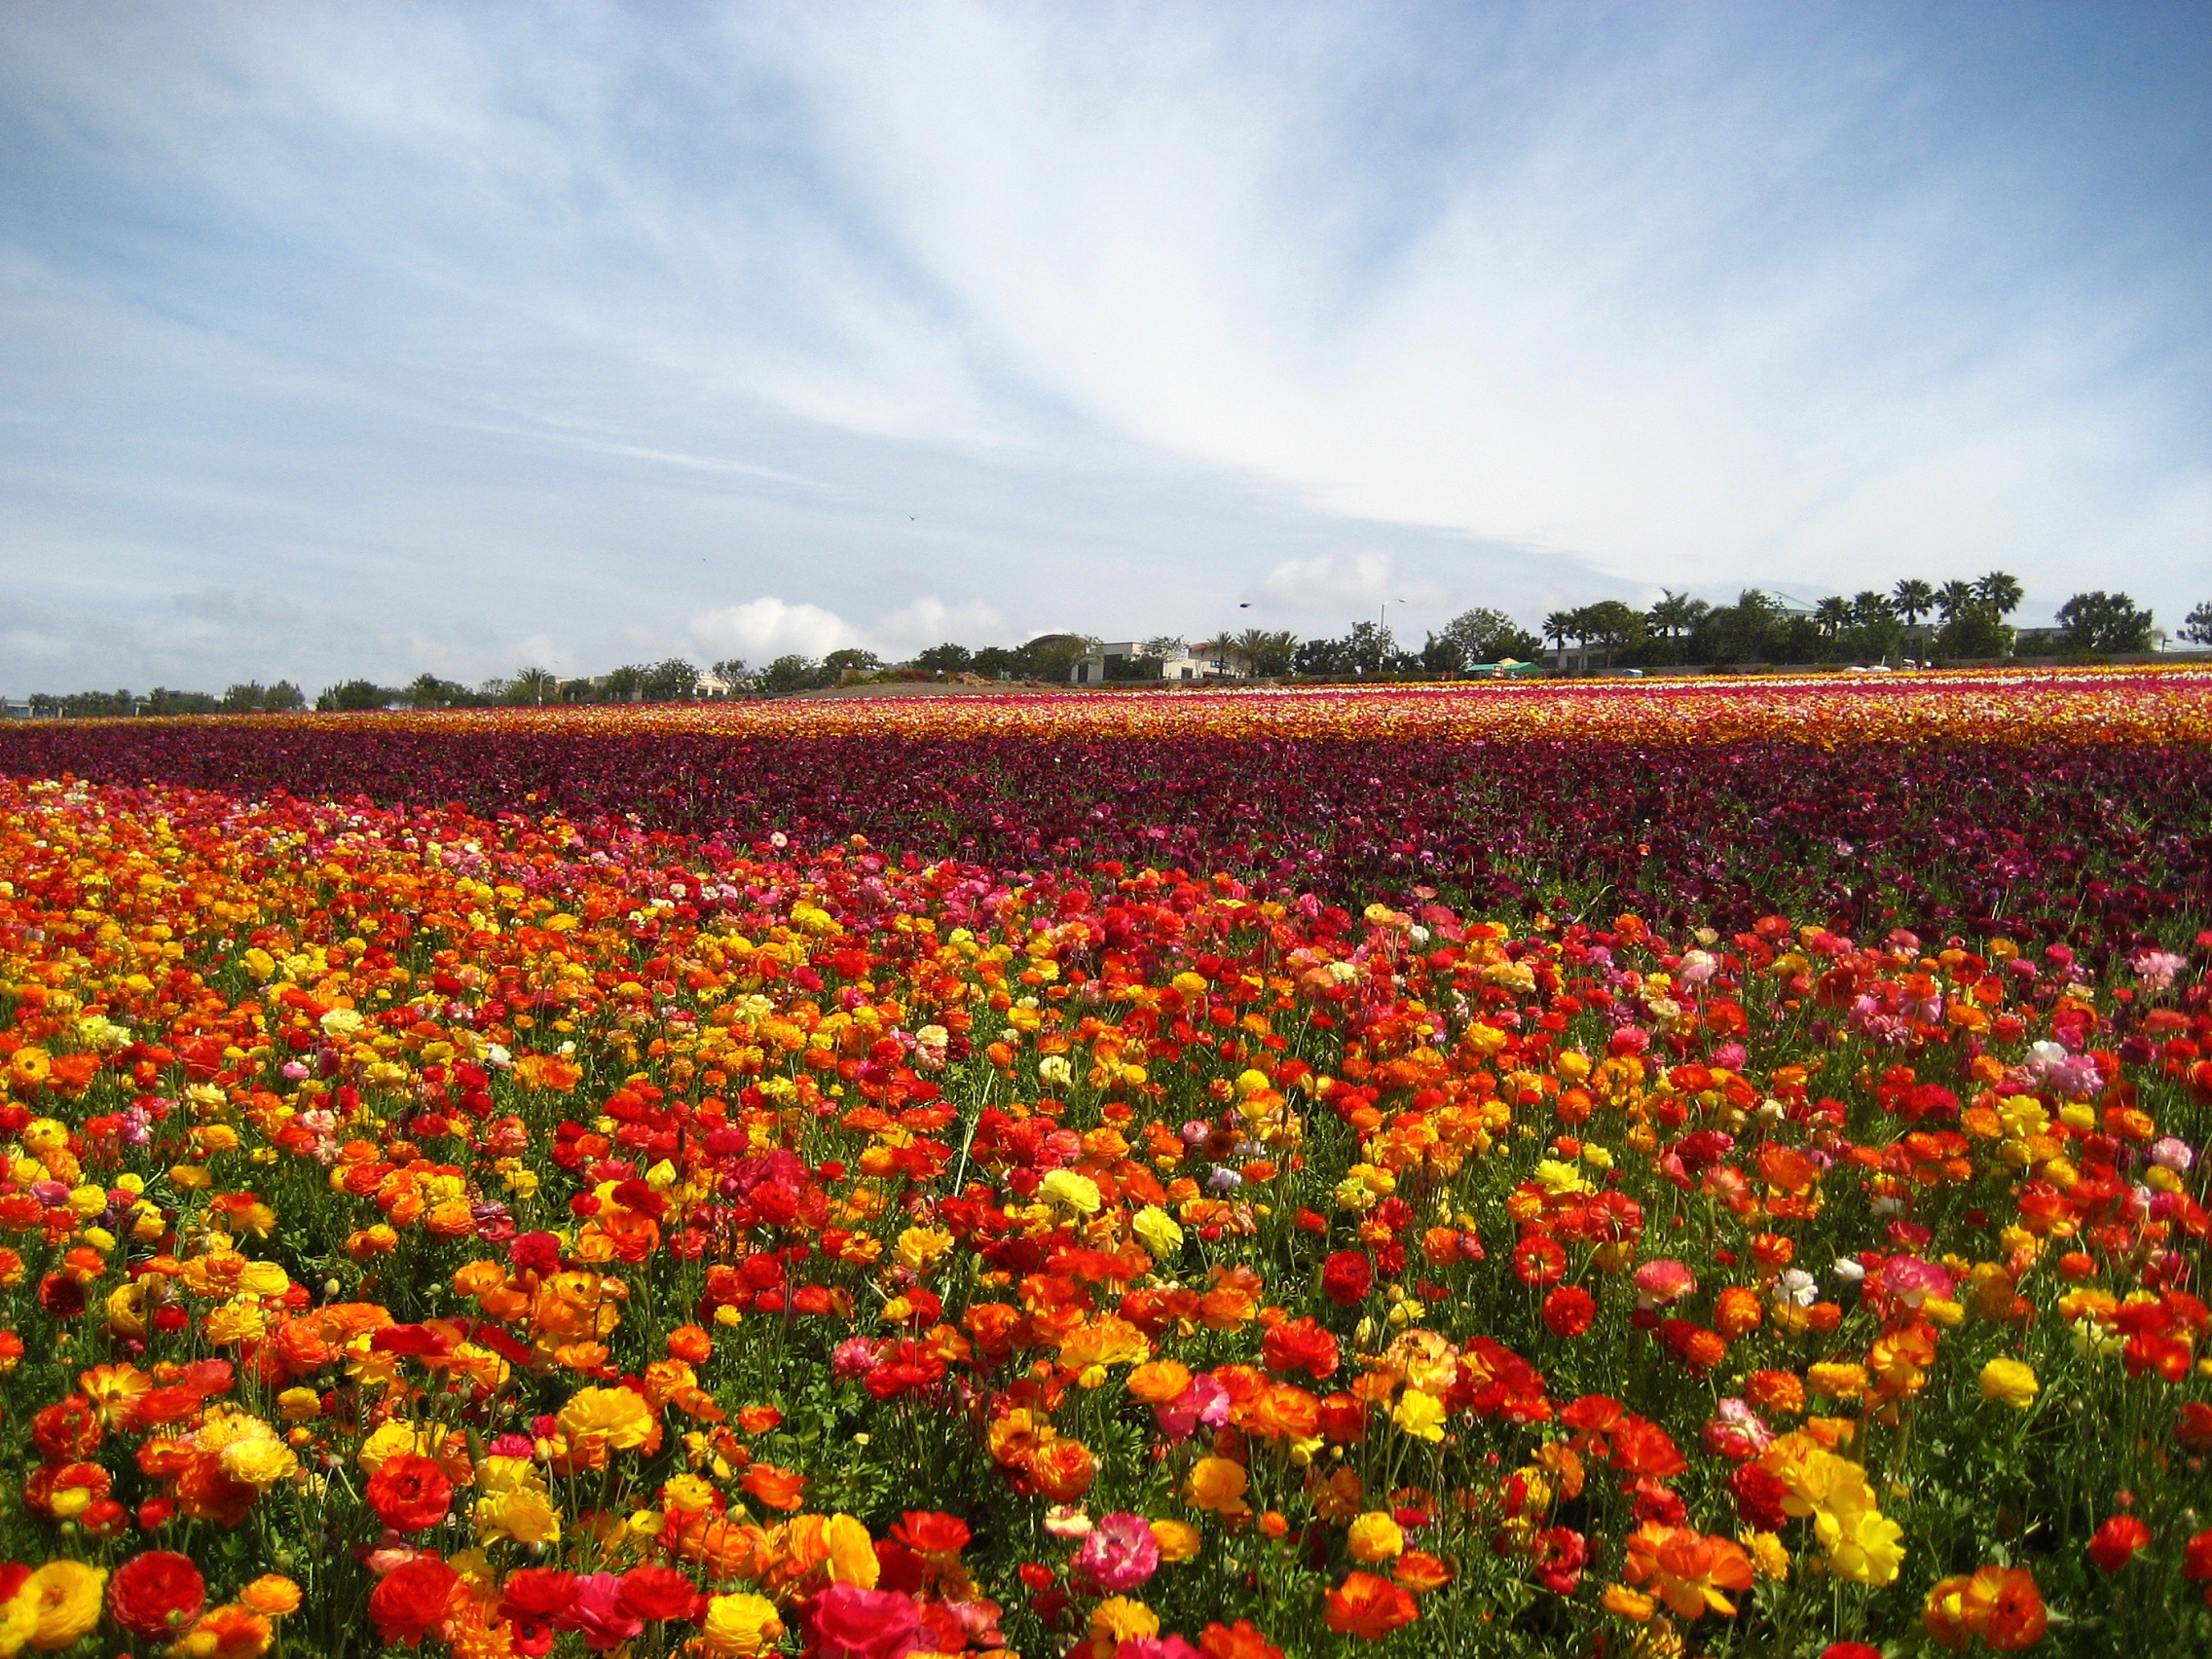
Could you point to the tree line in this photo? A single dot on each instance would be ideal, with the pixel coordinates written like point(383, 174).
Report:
point(250, 698)
point(1914, 618)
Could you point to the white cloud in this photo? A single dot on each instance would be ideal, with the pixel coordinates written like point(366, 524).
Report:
point(1333, 581)
point(929, 621)
point(539, 652)
point(760, 630)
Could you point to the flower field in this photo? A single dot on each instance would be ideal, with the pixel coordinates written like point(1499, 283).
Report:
point(1564, 1171)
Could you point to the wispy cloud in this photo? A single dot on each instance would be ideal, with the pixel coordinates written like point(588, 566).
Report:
point(466, 332)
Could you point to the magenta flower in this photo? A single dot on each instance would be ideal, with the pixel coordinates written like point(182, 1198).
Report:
point(1205, 1401)
point(598, 1612)
point(1119, 1554)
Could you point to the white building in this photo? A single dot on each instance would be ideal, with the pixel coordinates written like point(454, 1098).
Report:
point(1125, 660)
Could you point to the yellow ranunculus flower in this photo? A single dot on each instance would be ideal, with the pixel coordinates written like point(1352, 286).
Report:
point(1376, 1537)
point(615, 1416)
point(1864, 1546)
point(1178, 1541)
point(522, 1513)
point(852, 1553)
point(238, 1321)
point(299, 1405)
point(687, 1494)
point(67, 1597)
point(1769, 1555)
point(1079, 1193)
point(737, 1626)
point(2009, 1381)
point(259, 1460)
point(388, 1440)
point(921, 1248)
point(19, 1620)
point(1420, 1414)
point(1122, 1618)
point(1157, 1232)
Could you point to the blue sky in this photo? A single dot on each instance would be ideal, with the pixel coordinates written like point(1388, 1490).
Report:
point(383, 339)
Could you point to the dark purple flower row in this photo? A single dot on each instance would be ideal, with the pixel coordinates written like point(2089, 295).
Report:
point(2096, 844)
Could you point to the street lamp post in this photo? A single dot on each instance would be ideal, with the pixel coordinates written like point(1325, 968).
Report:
point(1382, 621)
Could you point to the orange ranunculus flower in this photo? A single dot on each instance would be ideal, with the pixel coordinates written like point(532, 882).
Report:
point(1421, 1572)
point(1944, 1616)
point(1281, 1412)
point(1217, 1484)
point(273, 1596)
point(1736, 1311)
point(1686, 1568)
point(1160, 1381)
point(1776, 1392)
point(777, 1488)
point(2002, 1605)
point(1623, 1602)
point(1368, 1607)
point(231, 1632)
point(1301, 1344)
point(728, 1549)
point(1063, 1470)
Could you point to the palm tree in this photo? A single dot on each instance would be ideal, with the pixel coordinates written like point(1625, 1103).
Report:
point(1676, 613)
point(1955, 598)
point(1832, 615)
point(2001, 592)
point(1870, 607)
point(1913, 599)
point(535, 686)
point(1558, 626)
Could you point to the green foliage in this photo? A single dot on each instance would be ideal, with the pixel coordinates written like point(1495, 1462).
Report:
point(354, 695)
point(2101, 621)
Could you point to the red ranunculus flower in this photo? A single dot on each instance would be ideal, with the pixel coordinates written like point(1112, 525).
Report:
point(156, 1594)
point(1569, 1311)
point(1347, 1278)
point(537, 1595)
point(2115, 1542)
point(656, 1594)
point(2197, 1560)
point(1301, 1344)
point(930, 1530)
point(409, 1492)
point(410, 1601)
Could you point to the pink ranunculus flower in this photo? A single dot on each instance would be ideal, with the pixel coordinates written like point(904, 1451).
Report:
point(852, 1623)
point(1204, 1402)
point(1912, 1281)
point(1662, 1281)
point(598, 1612)
point(1119, 1554)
